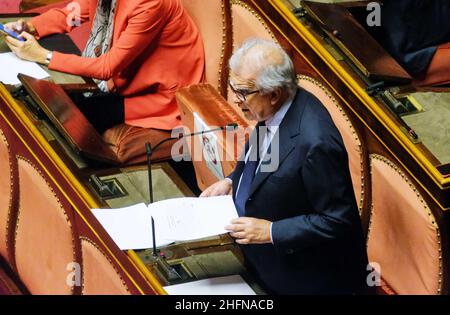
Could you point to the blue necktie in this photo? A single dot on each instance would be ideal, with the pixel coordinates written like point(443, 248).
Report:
point(248, 174)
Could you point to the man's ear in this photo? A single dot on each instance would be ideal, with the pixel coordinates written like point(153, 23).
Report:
point(275, 96)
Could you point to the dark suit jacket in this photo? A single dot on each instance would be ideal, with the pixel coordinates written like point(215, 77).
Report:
point(412, 29)
point(318, 241)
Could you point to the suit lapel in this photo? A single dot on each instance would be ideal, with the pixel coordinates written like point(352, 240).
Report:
point(287, 131)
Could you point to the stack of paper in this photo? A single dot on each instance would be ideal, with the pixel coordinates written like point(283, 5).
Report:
point(178, 219)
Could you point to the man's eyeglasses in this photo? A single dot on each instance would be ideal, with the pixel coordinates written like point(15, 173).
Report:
point(241, 94)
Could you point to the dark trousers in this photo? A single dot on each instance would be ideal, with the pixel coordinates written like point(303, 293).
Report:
point(103, 111)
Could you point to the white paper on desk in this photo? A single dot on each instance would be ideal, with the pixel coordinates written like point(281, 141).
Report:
point(185, 219)
point(130, 228)
point(231, 285)
point(11, 66)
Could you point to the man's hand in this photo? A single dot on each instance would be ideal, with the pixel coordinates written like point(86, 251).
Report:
point(221, 188)
point(21, 26)
point(250, 231)
point(29, 50)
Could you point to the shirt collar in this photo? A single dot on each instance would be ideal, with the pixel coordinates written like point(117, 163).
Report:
point(274, 122)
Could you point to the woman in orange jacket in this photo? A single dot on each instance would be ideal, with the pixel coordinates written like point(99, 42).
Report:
point(139, 53)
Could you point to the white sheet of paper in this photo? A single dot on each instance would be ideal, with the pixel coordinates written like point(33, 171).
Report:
point(185, 219)
point(230, 285)
point(11, 66)
point(130, 227)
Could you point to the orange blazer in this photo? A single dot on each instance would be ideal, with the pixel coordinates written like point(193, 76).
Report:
point(156, 50)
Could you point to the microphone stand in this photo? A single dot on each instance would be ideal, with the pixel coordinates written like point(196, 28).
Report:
point(148, 148)
point(161, 263)
point(160, 260)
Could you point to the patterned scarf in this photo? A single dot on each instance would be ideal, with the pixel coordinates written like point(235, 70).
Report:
point(100, 38)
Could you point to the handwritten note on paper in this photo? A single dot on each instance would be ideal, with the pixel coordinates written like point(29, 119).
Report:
point(193, 218)
point(11, 66)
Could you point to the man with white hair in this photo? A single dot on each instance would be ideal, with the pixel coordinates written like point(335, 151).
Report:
point(299, 227)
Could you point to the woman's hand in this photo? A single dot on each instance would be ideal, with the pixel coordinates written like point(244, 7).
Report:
point(29, 49)
point(21, 26)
